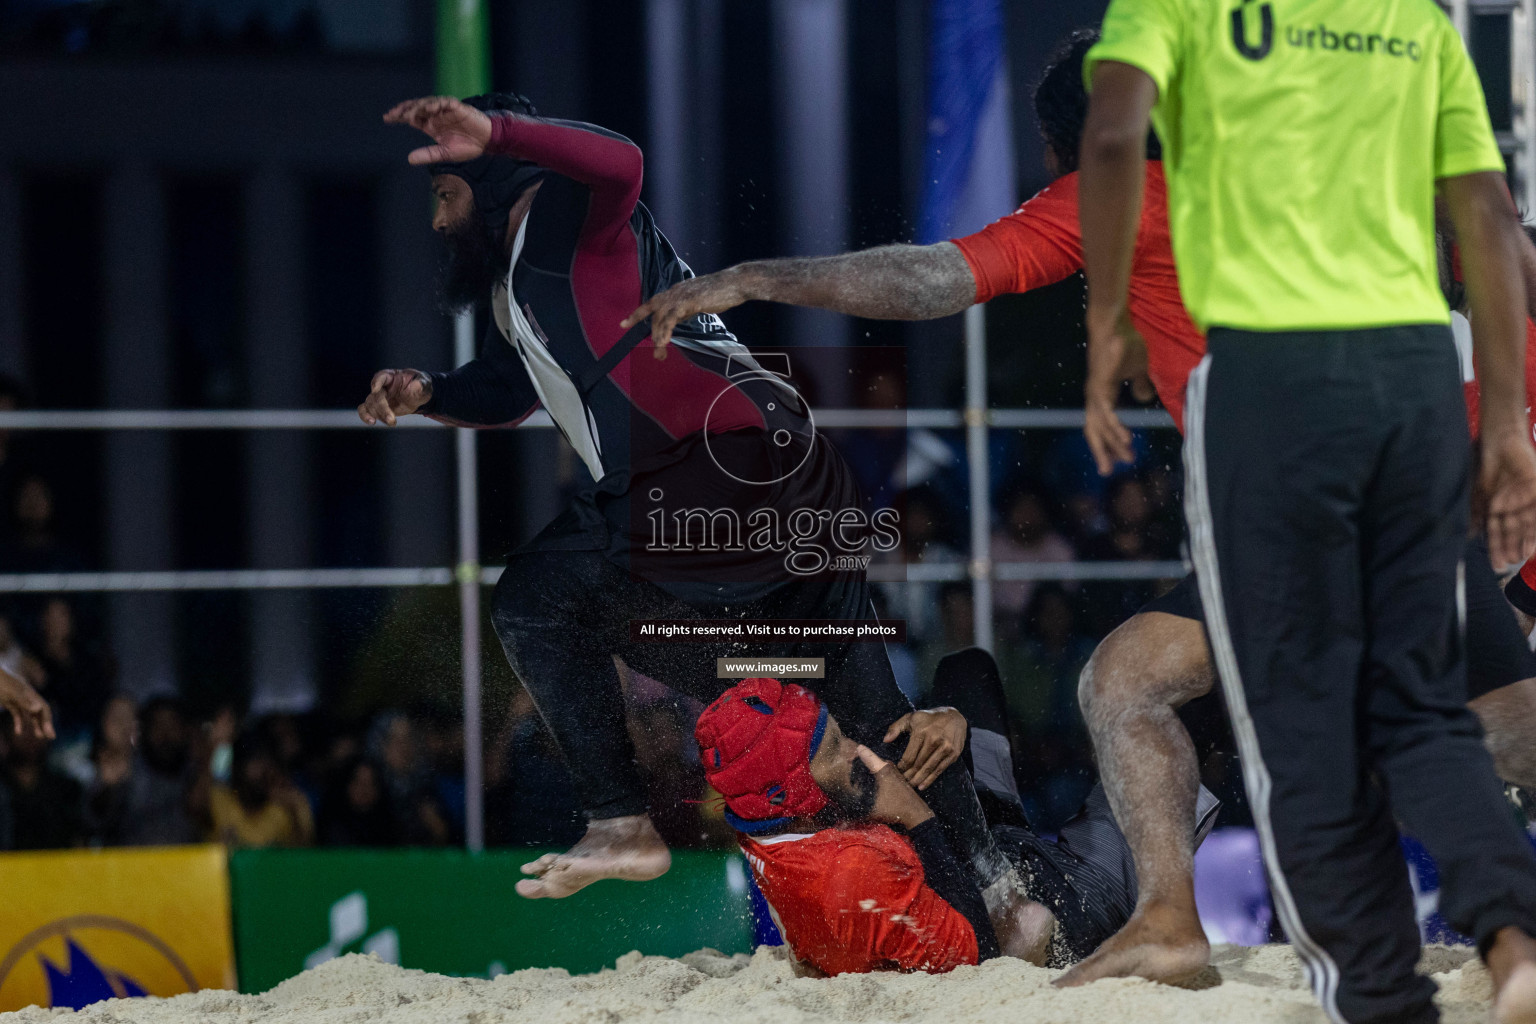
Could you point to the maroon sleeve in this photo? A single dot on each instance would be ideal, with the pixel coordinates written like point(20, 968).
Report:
point(609, 164)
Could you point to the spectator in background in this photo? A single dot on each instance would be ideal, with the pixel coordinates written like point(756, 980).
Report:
point(76, 678)
point(45, 804)
point(1041, 663)
point(259, 806)
point(957, 618)
point(441, 739)
point(925, 538)
point(34, 545)
point(285, 736)
point(1026, 535)
point(145, 800)
point(1131, 535)
point(16, 660)
point(392, 742)
point(355, 810)
point(112, 742)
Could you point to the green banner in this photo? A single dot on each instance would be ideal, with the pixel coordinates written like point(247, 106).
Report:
point(463, 47)
point(457, 913)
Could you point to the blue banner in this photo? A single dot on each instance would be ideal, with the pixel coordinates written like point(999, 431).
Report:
point(968, 168)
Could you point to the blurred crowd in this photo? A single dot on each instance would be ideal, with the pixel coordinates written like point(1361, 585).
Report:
point(127, 771)
point(1050, 507)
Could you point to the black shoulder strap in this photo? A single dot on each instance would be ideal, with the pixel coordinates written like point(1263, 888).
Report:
point(588, 378)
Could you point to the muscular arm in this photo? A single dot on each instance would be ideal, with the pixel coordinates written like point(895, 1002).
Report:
point(1491, 259)
point(890, 282)
point(1528, 273)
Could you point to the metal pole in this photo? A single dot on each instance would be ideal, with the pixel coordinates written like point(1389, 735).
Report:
point(469, 605)
point(464, 69)
point(981, 484)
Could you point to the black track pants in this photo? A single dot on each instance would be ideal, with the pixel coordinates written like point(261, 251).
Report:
point(1327, 497)
point(563, 615)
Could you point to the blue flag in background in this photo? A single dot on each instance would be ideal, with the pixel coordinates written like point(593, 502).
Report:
point(968, 169)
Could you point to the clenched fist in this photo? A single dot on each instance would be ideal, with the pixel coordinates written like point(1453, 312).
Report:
point(395, 393)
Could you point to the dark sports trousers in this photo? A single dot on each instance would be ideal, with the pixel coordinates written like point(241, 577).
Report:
point(1327, 493)
point(562, 615)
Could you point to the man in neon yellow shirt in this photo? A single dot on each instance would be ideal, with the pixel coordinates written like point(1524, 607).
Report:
point(1326, 455)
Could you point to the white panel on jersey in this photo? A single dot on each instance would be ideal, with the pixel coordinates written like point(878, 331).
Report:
point(557, 392)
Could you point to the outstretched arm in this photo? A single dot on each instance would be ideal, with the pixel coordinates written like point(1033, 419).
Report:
point(891, 282)
point(492, 390)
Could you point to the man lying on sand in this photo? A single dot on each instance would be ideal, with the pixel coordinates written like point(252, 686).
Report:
point(853, 863)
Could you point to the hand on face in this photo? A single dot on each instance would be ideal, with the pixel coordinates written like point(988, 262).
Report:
point(937, 740)
point(896, 802)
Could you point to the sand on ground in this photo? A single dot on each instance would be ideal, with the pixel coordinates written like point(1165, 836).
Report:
point(1259, 985)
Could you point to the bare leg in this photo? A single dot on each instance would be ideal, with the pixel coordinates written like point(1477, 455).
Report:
point(1138, 676)
point(629, 848)
point(1508, 715)
point(1512, 966)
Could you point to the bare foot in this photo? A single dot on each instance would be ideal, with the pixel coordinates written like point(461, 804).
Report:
point(1512, 965)
point(1159, 943)
point(629, 848)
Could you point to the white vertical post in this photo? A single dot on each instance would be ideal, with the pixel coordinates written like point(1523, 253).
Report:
point(469, 604)
point(811, 87)
point(1460, 13)
point(667, 167)
point(981, 484)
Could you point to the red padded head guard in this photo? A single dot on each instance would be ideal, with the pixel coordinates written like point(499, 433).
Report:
point(756, 742)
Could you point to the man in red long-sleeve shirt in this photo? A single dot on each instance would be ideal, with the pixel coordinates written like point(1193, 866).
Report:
point(1159, 659)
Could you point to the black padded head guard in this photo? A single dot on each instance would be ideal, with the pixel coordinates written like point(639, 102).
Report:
point(495, 181)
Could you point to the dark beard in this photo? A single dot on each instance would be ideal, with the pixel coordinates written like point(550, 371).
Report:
point(854, 803)
point(471, 267)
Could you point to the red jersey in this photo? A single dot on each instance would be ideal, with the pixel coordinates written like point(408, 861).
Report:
point(1041, 243)
point(854, 900)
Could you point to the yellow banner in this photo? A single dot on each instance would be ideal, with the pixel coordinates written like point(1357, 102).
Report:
point(80, 926)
